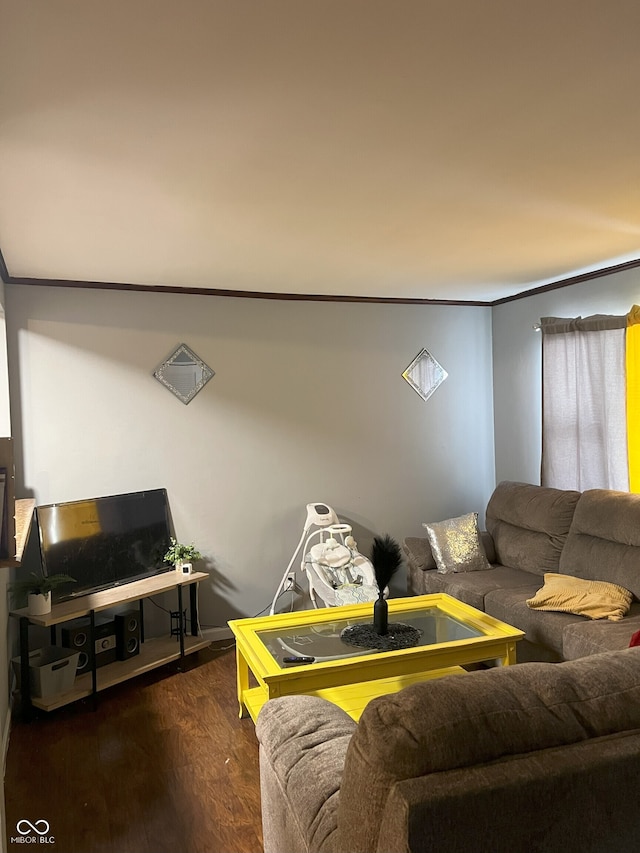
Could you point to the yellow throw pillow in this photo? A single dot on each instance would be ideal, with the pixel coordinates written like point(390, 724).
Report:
point(594, 599)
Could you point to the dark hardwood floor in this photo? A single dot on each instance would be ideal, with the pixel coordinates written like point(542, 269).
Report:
point(162, 764)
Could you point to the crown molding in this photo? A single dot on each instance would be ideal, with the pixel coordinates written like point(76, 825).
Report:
point(580, 278)
point(574, 279)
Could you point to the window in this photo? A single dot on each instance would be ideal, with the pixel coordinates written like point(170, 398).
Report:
point(589, 406)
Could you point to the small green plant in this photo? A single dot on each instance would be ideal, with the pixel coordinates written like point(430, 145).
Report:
point(181, 553)
point(36, 585)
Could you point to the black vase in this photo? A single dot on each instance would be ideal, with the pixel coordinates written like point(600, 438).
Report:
point(381, 616)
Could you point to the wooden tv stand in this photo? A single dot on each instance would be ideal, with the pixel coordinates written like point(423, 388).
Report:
point(153, 652)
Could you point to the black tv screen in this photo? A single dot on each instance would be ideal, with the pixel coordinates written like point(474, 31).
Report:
point(105, 541)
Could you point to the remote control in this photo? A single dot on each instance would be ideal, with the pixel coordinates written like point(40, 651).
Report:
point(298, 659)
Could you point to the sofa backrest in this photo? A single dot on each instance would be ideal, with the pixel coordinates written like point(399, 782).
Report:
point(464, 721)
point(604, 539)
point(586, 801)
point(529, 525)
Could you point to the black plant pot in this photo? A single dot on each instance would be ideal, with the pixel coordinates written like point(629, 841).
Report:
point(380, 616)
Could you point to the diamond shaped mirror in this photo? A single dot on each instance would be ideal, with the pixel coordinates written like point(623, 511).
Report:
point(183, 373)
point(424, 374)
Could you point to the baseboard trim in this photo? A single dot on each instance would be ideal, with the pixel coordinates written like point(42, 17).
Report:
point(217, 634)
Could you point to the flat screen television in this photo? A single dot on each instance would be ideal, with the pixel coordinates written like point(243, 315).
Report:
point(105, 541)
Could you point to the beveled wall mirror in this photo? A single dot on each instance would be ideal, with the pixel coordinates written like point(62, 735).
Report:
point(425, 374)
point(183, 373)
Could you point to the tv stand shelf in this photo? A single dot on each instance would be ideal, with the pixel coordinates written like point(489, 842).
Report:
point(153, 652)
point(106, 598)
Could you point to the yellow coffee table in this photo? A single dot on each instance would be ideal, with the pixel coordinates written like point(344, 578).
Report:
point(452, 634)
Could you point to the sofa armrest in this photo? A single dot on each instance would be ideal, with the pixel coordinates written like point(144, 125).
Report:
point(418, 553)
point(486, 540)
point(303, 743)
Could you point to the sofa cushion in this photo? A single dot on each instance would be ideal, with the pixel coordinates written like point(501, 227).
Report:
point(472, 587)
point(487, 715)
point(589, 637)
point(529, 525)
point(541, 628)
point(593, 599)
point(455, 544)
point(604, 540)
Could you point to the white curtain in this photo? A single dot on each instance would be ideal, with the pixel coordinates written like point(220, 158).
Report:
point(584, 432)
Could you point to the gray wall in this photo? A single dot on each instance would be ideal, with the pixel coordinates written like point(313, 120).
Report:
point(307, 404)
point(517, 358)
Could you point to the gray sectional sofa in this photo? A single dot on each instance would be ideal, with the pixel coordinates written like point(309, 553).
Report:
point(538, 757)
point(541, 757)
point(530, 530)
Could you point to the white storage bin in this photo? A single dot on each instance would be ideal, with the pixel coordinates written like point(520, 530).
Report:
point(51, 670)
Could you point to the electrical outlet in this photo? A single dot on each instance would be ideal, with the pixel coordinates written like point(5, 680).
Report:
point(290, 582)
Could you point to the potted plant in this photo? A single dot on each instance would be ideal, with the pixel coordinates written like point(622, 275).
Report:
point(36, 591)
point(182, 556)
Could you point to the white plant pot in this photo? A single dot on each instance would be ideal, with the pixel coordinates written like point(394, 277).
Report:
point(184, 567)
point(38, 605)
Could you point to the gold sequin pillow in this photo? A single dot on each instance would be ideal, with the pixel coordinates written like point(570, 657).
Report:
point(455, 544)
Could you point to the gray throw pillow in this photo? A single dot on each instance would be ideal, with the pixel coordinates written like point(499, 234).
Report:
point(455, 544)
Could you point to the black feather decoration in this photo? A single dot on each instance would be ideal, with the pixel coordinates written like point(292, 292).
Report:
point(385, 558)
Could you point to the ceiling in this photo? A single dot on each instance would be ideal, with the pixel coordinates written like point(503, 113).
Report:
point(411, 149)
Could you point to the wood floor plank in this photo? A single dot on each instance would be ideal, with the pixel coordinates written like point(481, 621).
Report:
point(162, 764)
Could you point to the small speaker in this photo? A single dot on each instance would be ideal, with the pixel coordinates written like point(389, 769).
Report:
point(75, 635)
point(105, 642)
point(128, 634)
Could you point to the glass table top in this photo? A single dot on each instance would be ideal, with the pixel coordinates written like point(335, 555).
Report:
point(323, 641)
